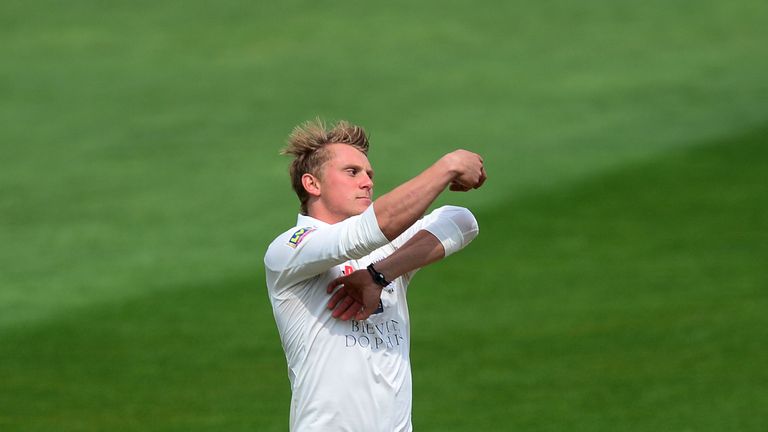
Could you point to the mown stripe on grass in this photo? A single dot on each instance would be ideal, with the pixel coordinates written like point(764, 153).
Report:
point(204, 357)
point(631, 301)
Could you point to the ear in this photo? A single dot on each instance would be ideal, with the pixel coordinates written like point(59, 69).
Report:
point(311, 184)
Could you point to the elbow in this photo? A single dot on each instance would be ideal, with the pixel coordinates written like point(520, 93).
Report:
point(475, 228)
point(467, 223)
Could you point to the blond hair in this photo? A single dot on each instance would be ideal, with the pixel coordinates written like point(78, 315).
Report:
point(307, 145)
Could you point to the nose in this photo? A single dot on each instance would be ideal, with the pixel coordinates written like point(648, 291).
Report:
point(367, 182)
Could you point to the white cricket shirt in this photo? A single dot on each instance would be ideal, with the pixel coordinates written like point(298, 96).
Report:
point(348, 375)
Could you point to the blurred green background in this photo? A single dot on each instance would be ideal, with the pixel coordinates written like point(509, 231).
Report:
point(619, 281)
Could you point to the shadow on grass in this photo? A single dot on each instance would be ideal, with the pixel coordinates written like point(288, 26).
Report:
point(194, 358)
point(632, 301)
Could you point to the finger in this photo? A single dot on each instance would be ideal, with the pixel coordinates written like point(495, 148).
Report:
point(342, 307)
point(333, 284)
point(334, 301)
point(363, 314)
point(458, 187)
point(483, 177)
point(351, 311)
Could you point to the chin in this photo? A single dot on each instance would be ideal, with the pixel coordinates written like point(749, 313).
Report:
point(363, 202)
point(356, 211)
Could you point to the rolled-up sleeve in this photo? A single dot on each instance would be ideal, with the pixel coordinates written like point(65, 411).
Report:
point(455, 227)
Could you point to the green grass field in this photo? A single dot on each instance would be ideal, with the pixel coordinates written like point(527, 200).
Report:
point(619, 281)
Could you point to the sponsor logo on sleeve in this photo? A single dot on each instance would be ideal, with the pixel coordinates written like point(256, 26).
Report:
point(298, 236)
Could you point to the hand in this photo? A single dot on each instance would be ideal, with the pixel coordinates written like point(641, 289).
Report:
point(468, 168)
point(457, 186)
point(358, 296)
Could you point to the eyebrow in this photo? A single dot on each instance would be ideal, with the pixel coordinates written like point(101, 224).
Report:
point(359, 168)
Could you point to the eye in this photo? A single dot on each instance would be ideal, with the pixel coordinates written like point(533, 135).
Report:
point(352, 171)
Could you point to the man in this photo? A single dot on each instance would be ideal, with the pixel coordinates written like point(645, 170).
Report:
point(348, 351)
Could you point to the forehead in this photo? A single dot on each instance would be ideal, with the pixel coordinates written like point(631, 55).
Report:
point(344, 154)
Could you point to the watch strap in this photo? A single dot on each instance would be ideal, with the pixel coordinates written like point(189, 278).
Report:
point(378, 277)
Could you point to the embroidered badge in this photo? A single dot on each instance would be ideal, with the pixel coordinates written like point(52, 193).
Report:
point(298, 236)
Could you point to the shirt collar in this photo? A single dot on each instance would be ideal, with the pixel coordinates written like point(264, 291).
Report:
point(304, 220)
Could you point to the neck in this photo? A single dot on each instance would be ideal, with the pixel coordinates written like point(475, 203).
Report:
point(323, 214)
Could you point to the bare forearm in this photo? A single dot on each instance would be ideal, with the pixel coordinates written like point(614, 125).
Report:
point(448, 230)
point(359, 293)
point(420, 250)
point(404, 205)
point(400, 208)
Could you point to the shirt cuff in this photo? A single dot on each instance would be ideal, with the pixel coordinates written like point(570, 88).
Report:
point(371, 227)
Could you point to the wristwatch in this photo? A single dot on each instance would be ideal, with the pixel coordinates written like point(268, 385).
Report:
point(378, 277)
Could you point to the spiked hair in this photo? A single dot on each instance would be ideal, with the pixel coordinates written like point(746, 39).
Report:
point(307, 144)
